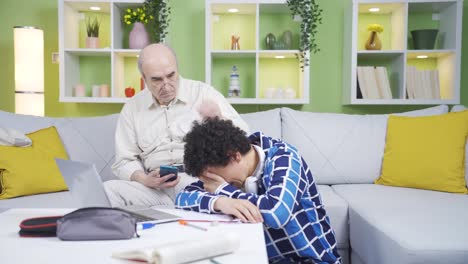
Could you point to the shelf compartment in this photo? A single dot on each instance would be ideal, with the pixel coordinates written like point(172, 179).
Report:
point(391, 16)
point(277, 74)
point(394, 65)
point(233, 53)
point(87, 69)
point(74, 28)
point(276, 19)
point(221, 71)
point(224, 24)
point(444, 63)
point(424, 16)
point(126, 73)
point(121, 30)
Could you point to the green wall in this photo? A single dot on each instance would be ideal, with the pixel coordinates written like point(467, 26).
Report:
point(188, 20)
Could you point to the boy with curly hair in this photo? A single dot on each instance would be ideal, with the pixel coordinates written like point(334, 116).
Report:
point(258, 179)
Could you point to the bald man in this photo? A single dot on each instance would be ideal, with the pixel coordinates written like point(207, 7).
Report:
point(152, 126)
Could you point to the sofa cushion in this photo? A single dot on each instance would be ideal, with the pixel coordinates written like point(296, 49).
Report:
point(86, 139)
point(268, 122)
point(426, 152)
point(91, 140)
point(337, 210)
point(459, 108)
point(32, 170)
point(402, 225)
point(48, 200)
point(341, 148)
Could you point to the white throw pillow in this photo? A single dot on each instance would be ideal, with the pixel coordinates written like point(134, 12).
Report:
point(459, 108)
point(342, 148)
point(11, 137)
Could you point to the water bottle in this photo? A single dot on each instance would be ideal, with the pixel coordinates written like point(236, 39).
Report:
point(234, 84)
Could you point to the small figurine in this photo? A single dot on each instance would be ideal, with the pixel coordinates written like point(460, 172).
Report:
point(235, 42)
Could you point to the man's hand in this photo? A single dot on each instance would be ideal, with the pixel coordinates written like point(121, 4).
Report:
point(211, 181)
point(154, 180)
point(242, 209)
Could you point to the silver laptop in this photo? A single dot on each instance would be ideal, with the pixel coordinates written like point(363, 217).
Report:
point(87, 190)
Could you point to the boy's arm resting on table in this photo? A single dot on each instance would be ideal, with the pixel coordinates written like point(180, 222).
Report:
point(277, 204)
point(195, 198)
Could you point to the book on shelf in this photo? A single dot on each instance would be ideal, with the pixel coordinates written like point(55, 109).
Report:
point(184, 251)
point(422, 84)
point(373, 82)
point(383, 83)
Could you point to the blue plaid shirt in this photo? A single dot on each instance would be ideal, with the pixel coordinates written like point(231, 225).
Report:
point(296, 226)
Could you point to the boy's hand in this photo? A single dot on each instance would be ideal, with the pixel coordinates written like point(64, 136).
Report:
point(211, 181)
point(242, 209)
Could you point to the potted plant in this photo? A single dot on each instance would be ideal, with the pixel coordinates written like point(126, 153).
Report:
point(160, 11)
point(138, 37)
point(154, 12)
point(311, 16)
point(92, 31)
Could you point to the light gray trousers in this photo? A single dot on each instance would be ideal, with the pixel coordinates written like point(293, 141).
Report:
point(121, 193)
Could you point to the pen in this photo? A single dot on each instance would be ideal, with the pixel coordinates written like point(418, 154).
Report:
point(183, 222)
point(144, 226)
point(212, 221)
point(214, 261)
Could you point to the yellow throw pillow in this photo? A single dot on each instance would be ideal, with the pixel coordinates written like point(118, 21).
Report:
point(426, 152)
point(32, 170)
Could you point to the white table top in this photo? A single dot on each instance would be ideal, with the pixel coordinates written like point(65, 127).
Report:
point(16, 249)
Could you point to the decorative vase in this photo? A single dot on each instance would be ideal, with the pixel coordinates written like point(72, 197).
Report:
point(287, 39)
point(373, 43)
point(92, 43)
point(270, 40)
point(138, 37)
point(424, 38)
point(279, 45)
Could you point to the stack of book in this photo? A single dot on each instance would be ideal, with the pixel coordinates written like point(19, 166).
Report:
point(373, 83)
point(422, 84)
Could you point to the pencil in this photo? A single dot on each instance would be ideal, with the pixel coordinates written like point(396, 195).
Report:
point(212, 221)
point(214, 261)
point(183, 222)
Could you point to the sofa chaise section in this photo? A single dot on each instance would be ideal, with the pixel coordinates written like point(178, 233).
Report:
point(402, 225)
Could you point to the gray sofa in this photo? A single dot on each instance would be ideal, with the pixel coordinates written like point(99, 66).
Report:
point(373, 223)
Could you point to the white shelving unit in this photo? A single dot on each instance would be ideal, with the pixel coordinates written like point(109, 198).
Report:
point(112, 64)
point(399, 17)
point(260, 69)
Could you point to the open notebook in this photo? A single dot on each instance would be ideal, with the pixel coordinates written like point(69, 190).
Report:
point(184, 251)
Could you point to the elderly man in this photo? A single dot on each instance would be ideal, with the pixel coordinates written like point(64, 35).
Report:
point(151, 128)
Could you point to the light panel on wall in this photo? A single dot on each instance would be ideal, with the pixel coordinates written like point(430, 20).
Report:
point(29, 70)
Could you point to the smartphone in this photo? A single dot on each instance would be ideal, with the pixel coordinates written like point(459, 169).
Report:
point(166, 169)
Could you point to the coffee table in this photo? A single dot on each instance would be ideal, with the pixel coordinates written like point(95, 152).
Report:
point(16, 249)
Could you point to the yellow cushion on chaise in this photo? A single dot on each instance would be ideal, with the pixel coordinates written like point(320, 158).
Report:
point(426, 152)
point(32, 170)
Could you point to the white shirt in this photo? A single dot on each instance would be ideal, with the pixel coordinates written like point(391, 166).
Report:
point(149, 135)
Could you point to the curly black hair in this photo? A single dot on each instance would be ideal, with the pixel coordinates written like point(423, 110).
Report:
point(214, 142)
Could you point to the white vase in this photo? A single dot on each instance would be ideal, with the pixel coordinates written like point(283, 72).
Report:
point(138, 37)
